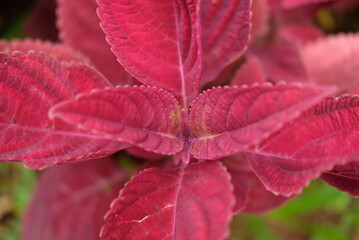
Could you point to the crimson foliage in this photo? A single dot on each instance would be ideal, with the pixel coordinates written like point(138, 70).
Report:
point(248, 147)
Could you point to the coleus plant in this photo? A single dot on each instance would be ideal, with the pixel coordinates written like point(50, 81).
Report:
point(56, 112)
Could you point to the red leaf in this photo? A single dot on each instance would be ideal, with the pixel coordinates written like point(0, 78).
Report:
point(354, 90)
point(156, 41)
point(55, 50)
point(251, 195)
point(344, 5)
point(344, 177)
point(193, 202)
point(141, 116)
point(225, 121)
point(70, 201)
point(308, 146)
point(260, 18)
point(249, 73)
point(80, 28)
point(281, 61)
point(225, 34)
point(140, 153)
point(41, 22)
point(300, 33)
point(333, 60)
point(299, 3)
point(30, 84)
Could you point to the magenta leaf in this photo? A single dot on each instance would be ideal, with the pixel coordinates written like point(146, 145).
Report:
point(344, 177)
point(56, 50)
point(156, 41)
point(225, 34)
point(192, 202)
point(308, 146)
point(70, 201)
point(225, 121)
point(251, 195)
point(145, 117)
point(80, 28)
point(30, 84)
point(333, 60)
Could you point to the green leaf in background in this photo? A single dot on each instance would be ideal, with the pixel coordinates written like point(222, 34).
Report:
point(319, 213)
point(16, 29)
point(318, 195)
point(15, 191)
point(13, 14)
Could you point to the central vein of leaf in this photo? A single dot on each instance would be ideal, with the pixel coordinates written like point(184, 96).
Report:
point(179, 51)
point(176, 202)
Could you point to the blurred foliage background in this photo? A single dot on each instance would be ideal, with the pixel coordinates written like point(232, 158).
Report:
point(12, 16)
point(319, 213)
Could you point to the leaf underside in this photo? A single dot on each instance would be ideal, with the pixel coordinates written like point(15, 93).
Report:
point(344, 177)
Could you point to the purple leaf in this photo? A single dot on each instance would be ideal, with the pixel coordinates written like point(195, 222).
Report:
point(225, 34)
point(225, 121)
point(156, 41)
point(344, 177)
point(333, 60)
point(193, 202)
point(70, 201)
point(56, 50)
point(145, 117)
point(251, 196)
point(80, 28)
point(30, 84)
point(308, 146)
